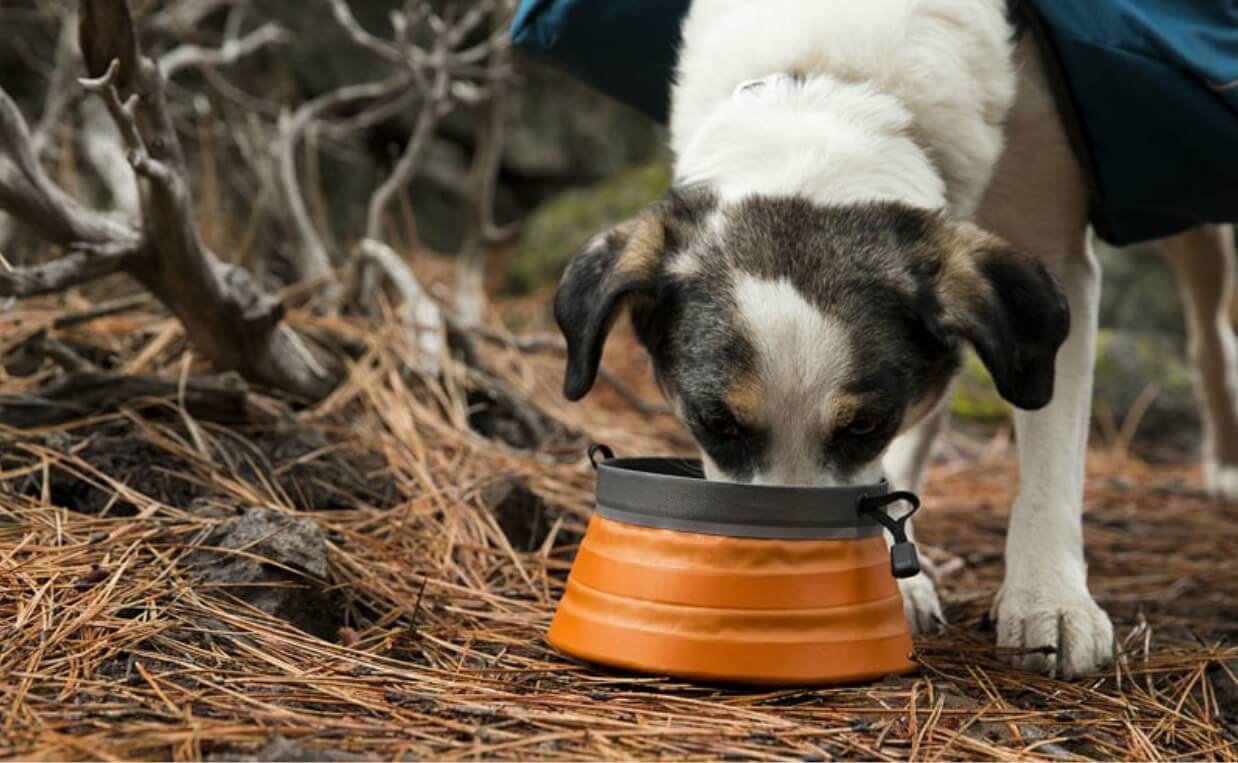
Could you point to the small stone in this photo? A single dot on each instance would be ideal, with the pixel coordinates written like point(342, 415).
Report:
point(282, 569)
point(348, 636)
point(96, 575)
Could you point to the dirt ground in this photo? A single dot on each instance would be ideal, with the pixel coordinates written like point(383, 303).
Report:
point(372, 578)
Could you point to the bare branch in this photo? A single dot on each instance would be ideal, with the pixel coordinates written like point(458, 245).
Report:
point(232, 50)
point(105, 34)
point(15, 141)
point(469, 22)
point(482, 180)
point(104, 148)
point(252, 105)
point(433, 108)
point(60, 94)
point(227, 316)
point(86, 392)
point(419, 312)
point(31, 197)
point(436, 22)
point(64, 356)
point(100, 310)
point(122, 113)
point(381, 111)
point(60, 90)
point(340, 97)
point(72, 269)
point(313, 260)
point(377, 45)
point(499, 40)
point(179, 19)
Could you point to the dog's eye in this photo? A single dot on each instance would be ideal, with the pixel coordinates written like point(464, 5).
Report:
point(719, 422)
point(863, 425)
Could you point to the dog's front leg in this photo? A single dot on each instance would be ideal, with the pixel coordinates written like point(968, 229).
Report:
point(1038, 201)
point(1044, 603)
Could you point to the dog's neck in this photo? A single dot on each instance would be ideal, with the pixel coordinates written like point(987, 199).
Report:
point(831, 141)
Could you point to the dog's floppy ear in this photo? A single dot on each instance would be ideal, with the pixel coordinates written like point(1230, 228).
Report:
point(1008, 305)
point(613, 266)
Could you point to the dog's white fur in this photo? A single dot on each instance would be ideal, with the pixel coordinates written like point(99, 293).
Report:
point(797, 347)
point(777, 147)
point(903, 98)
point(913, 100)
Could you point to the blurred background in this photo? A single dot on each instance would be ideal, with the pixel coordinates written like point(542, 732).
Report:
point(518, 169)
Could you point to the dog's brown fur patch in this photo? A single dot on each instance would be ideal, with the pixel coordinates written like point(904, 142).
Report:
point(745, 397)
point(646, 239)
point(843, 407)
point(961, 285)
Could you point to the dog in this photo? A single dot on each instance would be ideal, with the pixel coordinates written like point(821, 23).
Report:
point(861, 191)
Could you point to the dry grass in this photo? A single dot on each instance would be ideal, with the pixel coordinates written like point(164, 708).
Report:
point(111, 646)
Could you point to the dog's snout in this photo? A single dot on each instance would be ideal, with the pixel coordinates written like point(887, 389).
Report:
point(793, 471)
point(816, 477)
point(795, 460)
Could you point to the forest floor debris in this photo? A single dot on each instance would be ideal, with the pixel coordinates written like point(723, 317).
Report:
point(429, 559)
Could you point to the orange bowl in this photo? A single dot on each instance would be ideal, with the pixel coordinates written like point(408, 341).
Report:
point(653, 593)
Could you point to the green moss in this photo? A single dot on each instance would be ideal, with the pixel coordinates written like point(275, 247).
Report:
point(975, 397)
point(1125, 364)
point(1104, 363)
point(557, 229)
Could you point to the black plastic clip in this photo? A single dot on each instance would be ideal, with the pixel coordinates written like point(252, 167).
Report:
point(904, 562)
point(595, 449)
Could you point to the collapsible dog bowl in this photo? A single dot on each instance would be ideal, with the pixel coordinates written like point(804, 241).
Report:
point(727, 582)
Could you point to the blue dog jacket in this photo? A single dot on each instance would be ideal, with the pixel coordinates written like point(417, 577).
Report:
point(1148, 90)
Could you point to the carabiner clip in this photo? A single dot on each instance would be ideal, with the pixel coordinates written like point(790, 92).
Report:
point(595, 449)
point(904, 561)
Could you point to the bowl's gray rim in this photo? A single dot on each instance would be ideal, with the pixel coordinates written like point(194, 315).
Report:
point(628, 493)
point(625, 463)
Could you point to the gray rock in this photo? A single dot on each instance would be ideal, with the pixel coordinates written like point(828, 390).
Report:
point(283, 570)
point(1139, 291)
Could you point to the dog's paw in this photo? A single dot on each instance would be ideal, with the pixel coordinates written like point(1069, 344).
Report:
point(1222, 480)
point(920, 604)
point(1073, 634)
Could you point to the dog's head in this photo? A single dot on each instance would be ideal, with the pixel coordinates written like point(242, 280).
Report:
point(795, 341)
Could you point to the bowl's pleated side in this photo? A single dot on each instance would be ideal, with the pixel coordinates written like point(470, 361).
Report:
point(733, 609)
